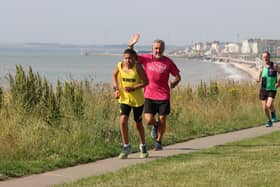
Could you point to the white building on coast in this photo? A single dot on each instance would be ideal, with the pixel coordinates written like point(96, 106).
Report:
point(232, 48)
point(257, 46)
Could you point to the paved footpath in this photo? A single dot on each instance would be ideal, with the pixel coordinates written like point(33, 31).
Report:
point(113, 164)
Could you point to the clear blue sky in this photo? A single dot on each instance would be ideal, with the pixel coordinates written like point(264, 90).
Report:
point(178, 22)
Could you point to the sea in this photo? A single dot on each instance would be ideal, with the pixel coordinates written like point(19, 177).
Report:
point(68, 63)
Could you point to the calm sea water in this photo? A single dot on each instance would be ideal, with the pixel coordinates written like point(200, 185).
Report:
point(70, 65)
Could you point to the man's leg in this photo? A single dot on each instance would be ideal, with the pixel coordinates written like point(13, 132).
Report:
point(164, 110)
point(161, 127)
point(150, 109)
point(150, 119)
point(270, 105)
point(267, 113)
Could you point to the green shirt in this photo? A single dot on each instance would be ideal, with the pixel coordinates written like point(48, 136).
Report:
point(269, 78)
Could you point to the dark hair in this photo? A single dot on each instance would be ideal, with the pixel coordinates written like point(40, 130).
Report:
point(131, 52)
point(266, 53)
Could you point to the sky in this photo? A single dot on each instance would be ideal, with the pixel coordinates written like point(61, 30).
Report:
point(178, 22)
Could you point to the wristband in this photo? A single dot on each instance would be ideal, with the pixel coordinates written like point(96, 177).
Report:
point(115, 88)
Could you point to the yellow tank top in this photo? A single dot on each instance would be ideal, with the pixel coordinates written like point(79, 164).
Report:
point(128, 79)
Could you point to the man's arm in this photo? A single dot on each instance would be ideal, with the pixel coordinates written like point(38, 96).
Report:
point(276, 66)
point(134, 39)
point(143, 77)
point(258, 78)
point(176, 81)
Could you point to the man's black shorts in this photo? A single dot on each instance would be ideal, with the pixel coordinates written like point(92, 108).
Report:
point(263, 95)
point(156, 106)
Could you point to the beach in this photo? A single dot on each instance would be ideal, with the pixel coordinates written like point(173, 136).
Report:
point(250, 69)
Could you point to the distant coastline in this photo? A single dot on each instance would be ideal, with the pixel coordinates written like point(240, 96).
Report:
point(100, 54)
point(51, 63)
point(247, 66)
point(250, 69)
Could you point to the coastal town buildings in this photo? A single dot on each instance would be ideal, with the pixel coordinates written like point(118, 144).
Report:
point(246, 49)
point(215, 47)
point(278, 51)
point(231, 48)
point(269, 45)
point(249, 46)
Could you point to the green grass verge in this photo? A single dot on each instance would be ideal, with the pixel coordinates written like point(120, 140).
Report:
point(254, 162)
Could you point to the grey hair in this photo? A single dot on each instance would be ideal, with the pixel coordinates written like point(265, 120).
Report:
point(161, 42)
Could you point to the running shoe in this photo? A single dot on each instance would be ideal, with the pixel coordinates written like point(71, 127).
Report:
point(124, 152)
point(274, 119)
point(268, 124)
point(143, 151)
point(157, 146)
point(154, 131)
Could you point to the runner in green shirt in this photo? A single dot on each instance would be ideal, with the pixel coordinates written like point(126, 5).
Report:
point(267, 75)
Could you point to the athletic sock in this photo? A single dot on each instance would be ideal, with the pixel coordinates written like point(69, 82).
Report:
point(156, 124)
point(273, 114)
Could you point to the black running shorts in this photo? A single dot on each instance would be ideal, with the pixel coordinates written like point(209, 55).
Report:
point(263, 95)
point(137, 111)
point(156, 106)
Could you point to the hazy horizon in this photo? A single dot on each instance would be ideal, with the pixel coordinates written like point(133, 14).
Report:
point(178, 22)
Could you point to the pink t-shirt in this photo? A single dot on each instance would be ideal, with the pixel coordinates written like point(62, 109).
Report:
point(158, 71)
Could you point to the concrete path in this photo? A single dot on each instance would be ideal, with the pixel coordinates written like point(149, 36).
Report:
point(114, 164)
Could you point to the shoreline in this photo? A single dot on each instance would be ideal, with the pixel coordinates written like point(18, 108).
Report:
point(250, 69)
point(247, 66)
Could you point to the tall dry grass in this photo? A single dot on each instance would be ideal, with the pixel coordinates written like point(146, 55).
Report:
point(45, 126)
